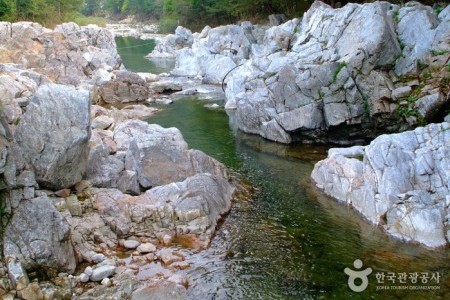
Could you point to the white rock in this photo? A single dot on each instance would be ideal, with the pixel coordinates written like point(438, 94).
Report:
point(102, 272)
point(106, 282)
point(146, 248)
point(83, 277)
point(131, 244)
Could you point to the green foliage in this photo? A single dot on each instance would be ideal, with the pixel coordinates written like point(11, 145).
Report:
point(437, 52)
point(83, 20)
point(438, 9)
point(426, 75)
point(46, 12)
point(339, 68)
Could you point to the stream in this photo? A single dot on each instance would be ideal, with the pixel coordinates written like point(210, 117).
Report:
point(288, 241)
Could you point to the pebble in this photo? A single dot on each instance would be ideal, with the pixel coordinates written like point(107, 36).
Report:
point(131, 244)
point(102, 272)
point(98, 258)
point(106, 282)
point(84, 277)
point(88, 271)
point(146, 248)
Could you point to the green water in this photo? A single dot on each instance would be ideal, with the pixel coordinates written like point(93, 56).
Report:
point(288, 241)
point(133, 51)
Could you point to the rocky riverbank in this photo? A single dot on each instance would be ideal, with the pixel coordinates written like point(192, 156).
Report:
point(345, 76)
point(337, 75)
point(85, 184)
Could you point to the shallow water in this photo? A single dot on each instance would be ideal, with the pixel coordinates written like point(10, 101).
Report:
point(288, 241)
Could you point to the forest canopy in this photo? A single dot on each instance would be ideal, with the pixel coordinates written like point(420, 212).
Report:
point(170, 13)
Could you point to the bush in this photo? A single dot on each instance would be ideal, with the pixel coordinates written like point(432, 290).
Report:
point(168, 24)
point(86, 20)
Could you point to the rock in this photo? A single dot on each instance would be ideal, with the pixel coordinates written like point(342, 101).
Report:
point(167, 257)
point(163, 101)
point(83, 277)
point(164, 290)
point(131, 244)
point(431, 105)
point(416, 30)
point(165, 86)
point(340, 77)
point(100, 273)
point(32, 292)
point(40, 237)
point(212, 106)
point(74, 206)
point(98, 258)
point(401, 92)
point(398, 181)
point(190, 207)
point(64, 193)
point(18, 277)
point(88, 271)
point(68, 55)
point(277, 19)
point(102, 122)
point(217, 51)
point(143, 160)
point(106, 282)
point(124, 88)
point(61, 139)
point(146, 248)
point(166, 47)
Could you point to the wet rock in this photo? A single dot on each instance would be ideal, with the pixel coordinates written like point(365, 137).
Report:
point(397, 181)
point(163, 101)
point(100, 273)
point(40, 237)
point(61, 139)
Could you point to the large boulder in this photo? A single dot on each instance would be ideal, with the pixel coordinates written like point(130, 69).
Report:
point(54, 134)
point(191, 207)
point(146, 155)
point(214, 53)
point(40, 237)
point(125, 87)
point(69, 54)
point(166, 47)
point(330, 76)
point(400, 181)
